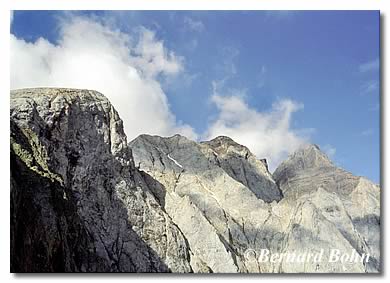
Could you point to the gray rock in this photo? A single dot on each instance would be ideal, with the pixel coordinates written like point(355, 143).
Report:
point(82, 199)
point(350, 203)
point(236, 194)
point(77, 202)
point(243, 166)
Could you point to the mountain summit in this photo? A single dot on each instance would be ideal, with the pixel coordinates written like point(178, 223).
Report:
point(83, 199)
point(309, 156)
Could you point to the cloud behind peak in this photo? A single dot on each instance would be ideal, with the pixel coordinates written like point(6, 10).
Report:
point(92, 55)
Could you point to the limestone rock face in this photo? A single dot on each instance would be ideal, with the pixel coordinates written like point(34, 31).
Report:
point(77, 201)
point(350, 203)
point(305, 206)
point(214, 208)
point(240, 164)
point(308, 166)
point(83, 199)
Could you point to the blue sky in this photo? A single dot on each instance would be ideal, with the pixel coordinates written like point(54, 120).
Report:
point(325, 64)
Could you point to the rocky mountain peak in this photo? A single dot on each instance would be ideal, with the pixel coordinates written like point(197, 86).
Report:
point(226, 145)
point(222, 140)
point(85, 200)
point(78, 202)
point(308, 157)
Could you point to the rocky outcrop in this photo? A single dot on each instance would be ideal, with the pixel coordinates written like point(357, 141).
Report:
point(77, 201)
point(243, 166)
point(84, 200)
point(221, 184)
point(350, 203)
point(213, 202)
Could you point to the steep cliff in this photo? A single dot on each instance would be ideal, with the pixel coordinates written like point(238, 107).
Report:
point(350, 203)
point(310, 206)
point(77, 201)
point(84, 200)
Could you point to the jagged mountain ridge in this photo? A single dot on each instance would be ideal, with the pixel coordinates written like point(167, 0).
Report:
point(98, 203)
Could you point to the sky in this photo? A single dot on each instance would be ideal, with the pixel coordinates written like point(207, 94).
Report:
point(271, 80)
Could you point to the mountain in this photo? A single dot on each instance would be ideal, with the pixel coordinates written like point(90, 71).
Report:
point(77, 201)
point(351, 203)
point(83, 199)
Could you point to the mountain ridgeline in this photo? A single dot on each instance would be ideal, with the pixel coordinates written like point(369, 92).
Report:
point(84, 199)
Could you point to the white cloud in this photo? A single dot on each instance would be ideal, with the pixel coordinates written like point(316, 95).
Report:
point(267, 134)
point(181, 82)
point(193, 25)
point(128, 68)
point(92, 55)
point(369, 66)
point(152, 58)
point(329, 150)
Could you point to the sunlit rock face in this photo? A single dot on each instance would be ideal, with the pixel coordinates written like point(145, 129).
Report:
point(84, 199)
point(77, 201)
point(350, 203)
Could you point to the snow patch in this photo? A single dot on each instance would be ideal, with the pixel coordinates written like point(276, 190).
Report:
point(177, 163)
